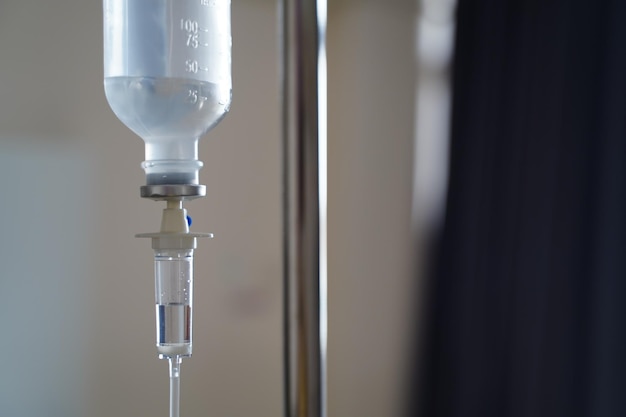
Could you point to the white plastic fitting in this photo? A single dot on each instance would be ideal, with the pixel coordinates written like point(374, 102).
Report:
point(174, 233)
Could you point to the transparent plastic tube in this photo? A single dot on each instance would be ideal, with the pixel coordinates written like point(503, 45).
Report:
point(175, 386)
point(174, 302)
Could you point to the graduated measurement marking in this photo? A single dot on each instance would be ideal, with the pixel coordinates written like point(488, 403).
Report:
point(194, 96)
point(192, 66)
point(192, 29)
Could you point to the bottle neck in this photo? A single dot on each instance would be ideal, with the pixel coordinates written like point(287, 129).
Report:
point(172, 171)
point(172, 161)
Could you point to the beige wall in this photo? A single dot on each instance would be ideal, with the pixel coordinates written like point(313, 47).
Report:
point(371, 107)
point(76, 317)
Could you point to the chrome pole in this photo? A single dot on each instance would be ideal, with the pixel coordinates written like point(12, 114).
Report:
point(304, 206)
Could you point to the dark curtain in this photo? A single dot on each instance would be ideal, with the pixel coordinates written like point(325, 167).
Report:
point(526, 302)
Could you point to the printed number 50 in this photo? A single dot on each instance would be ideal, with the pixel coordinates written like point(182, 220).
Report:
point(191, 66)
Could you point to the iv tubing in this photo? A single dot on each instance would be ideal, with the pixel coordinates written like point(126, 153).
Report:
point(175, 362)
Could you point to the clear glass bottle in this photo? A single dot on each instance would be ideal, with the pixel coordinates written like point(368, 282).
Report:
point(167, 77)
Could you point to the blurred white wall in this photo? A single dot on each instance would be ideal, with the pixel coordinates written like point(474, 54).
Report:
point(76, 316)
point(371, 110)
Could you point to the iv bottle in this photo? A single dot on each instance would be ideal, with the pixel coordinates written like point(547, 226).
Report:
point(167, 77)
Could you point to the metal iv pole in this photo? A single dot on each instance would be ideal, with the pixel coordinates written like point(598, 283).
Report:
point(304, 206)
